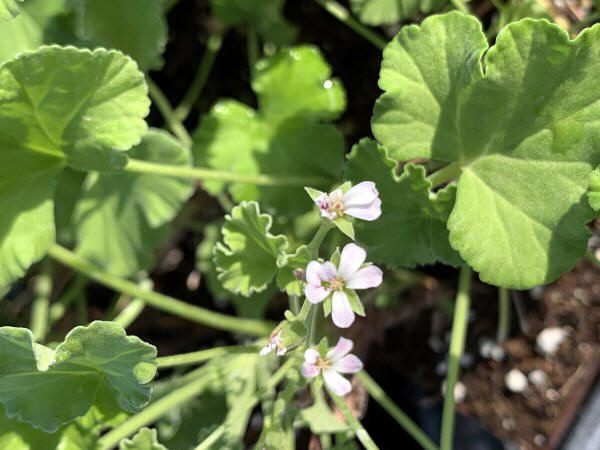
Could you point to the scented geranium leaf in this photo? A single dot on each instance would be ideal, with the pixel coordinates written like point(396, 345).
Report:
point(68, 191)
point(298, 81)
point(58, 105)
point(293, 95)
point(287, 280)
point(120, 218)
point(9, 9)
point(594, 189)
point(262, 15)
point(99, 358)
point(136, 27)
point(385, 12)
point(412, 228)
point(145, 439)
point(249, 256)
point(418, 110)
point(525, 139)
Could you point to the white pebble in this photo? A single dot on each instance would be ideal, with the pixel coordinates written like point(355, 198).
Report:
point(466, 360)
point(538, 377)
point(549, 340)
point(441, 368)
point(515, 381)
point(460, 391)
point(485, 347)
point(497, 353)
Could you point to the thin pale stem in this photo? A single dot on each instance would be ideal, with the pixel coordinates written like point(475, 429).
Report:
point(379, 395)
point(461, 6)
point(160, 301)
point(457, 346)
point(503, 315)
point(359, 431)
point(75, 289)
point(317, 240)
point(163, 105)
point(294, 304)
point(198, 357)
point(445, 174)
point(139, 166)
point(343, 15)
point(213, 45)
point(41, 302)
point(134, 308)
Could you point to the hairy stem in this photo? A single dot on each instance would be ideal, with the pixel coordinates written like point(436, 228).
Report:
point(503, 315)
point(213, 45)
point(39, 312)
point(379, 395)
point(185, 359)
point(445, 174)
point(75, 289)
point(163, 105)
point(343, 15)
point(160, 301)
point(359, 431)
point(457, 345)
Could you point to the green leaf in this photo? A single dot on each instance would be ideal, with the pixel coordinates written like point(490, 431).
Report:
point(523, 134)
point(262, 15)
point(145, 439)
point(286, 279)
point(9, 9)
point(594, 189)
point(320, 418)
point(121, 217)
point(68, 191)
point(136, 27)
point(249, 256)
point(385, 12)
point(412, 228)
point(283, 133)
point(355, 302)
point(99, 358)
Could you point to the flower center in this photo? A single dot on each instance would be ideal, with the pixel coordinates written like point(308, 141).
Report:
point(337, 208)
point(323, 364)
point(336, 284)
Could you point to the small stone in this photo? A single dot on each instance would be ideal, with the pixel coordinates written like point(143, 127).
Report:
point(537, 292)
point(192, 281)
point(441, 368)
point(539, 440)
point(436, 344)
point(485, 347)
point(467, 360)
point(549, 339)
point(515, 381)
point(508, 424)
point(552, 395)
point(538, 377)
point(460, 391)
point(497, 353)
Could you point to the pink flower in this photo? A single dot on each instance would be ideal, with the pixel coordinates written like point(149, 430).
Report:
point(275, 343)
point(336, 362)
point(325, 279)
point(360, 201)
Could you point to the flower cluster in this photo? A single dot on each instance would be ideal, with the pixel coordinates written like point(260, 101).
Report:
point(360, 201)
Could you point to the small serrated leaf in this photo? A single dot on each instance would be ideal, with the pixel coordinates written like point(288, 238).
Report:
point(250, 255)
point(386, 12)
point(145, 439)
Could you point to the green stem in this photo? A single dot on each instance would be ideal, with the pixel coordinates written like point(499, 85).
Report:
point(457, 345)
point(311, 322)
point(294, 304)
point(39, 312)
point(213, 45)
point(203, 355)
point(458, 4)
point(139, 166)
point(134, 308)
point(445, 174)
point(58, 308)
point(379, 395)
point(81, 310)
point(503, 315)
point(359, 431)
point(341, 13)
point(154, 411)
point(160, 301)
point(163, 105)
point(317, 240)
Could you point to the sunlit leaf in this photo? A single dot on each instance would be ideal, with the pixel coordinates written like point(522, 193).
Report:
point(250, 255)
point(9, 8)
point(96, 359)
point(145, 439)
point(524, 134)
point(411, 230)
point(380, 12)
point(121, 217)
point(594, 189)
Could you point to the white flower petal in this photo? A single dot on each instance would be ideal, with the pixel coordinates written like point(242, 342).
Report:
point(266, 350)
point(327, 272)
point(361, 194)
point(368, 277)
point(309, 370)
point(337, 383)
point(342, 348)
point(351, 259)
point(348, 364)
point(312, 273)
point(336, 196)
point(341, 312)
point(316, 294)
point(370, 211)
point(311, 355)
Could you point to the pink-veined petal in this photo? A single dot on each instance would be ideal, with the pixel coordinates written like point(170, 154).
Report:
point(311, 355)
point(309, 370)
point(361, 194)
point(368, 212)
point(365, 278)
point(342, 348)
point(327, 272)
point(348, 364)
point(337, 383)
point(341, 312)
point(316, 294)
point(312, 273)
point(351, 259)
point(322, 201)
